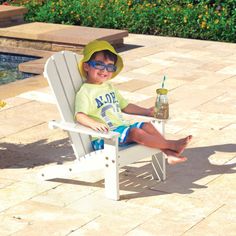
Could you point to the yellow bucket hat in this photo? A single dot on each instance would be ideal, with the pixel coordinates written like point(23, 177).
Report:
point(96, 46)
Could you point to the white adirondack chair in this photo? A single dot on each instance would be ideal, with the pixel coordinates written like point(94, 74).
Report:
point(62, 73)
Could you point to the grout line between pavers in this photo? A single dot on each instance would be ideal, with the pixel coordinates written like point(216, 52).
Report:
point(13, 107)
point(135, 227)
point(74, 230)
point(225, 79)
point(22, 130)
point(86, 195)
point(209, 100)
point(226, 126)
point(202, 219)
point(25, 200)
point(151, 217)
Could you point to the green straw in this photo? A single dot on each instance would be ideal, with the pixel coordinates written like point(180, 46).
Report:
point(163, 82)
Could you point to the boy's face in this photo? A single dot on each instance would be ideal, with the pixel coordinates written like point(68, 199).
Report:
point(97, 76)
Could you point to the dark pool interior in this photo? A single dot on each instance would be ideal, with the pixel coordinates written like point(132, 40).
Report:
point(9, 67)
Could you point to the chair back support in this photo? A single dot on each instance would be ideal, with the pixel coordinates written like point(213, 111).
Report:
point(62, 74)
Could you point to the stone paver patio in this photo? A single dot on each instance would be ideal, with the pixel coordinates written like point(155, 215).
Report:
point(198, 197)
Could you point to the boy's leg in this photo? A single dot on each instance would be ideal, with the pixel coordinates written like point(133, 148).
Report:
point(148, 137)
point(179, 144)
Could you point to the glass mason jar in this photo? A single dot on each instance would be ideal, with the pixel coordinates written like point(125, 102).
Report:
point(161, 104)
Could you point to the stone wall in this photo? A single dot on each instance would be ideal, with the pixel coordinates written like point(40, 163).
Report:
point(39, 45)
point(11, 15)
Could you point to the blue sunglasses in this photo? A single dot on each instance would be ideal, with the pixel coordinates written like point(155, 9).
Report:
point(101, 66)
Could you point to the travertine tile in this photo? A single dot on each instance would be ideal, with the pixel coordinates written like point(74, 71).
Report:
point(36, 114)
point(134, 97)
point(210, 79)
point(149, 69)
point(11, 224)
point(195, 119)
point(133, 85)
point(224, 215)
point(228, 70)
point(125, 77)
point(5, 182)
point(214, 66)
point(21, 191)
point(120, 217)
point(44, 219)
point(222, 189)
point(155, 77)
point(39, 96)
point(219, 106)
point(65, 194)
point(161, 225)
point(175, 208)
point(114, 226)
point(169, 84)
point(155, 59)
point(149, 102)
point(136, 63)
point(133, 213)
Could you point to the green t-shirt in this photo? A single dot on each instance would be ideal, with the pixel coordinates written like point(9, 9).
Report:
point(102, 103)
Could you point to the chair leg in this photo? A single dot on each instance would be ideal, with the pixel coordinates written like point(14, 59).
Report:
point(111, 170)
point(159, 166)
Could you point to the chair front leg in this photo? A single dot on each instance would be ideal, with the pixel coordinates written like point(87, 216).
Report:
point(159, 159)
point(159, 166)
point(111, 169)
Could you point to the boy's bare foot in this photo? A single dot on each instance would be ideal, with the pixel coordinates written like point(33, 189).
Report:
point(181, 144)
point(172, 160)
point(173, 157)
point(169, 152)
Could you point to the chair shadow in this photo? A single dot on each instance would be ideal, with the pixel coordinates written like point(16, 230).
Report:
point(35, 154)
point(182, 178)
point(127, 47)
point(135, 182)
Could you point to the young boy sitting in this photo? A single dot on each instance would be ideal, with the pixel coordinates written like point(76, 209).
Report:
point(99, 105)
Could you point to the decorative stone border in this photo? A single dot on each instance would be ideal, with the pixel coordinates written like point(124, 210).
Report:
point(57, 37)
point(39, 45)
point(11, 15)
point(48, 46)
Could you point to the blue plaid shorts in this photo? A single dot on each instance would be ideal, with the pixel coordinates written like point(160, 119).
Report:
point(123, 130)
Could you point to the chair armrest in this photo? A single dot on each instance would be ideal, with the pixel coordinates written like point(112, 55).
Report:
point(159, 124)
point(142, 118)
point(146, 118)
point(78, 128)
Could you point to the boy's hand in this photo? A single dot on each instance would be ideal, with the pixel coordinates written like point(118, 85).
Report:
point(137, 110)
point(97, 126)
point(89, 122)
point(150, 111)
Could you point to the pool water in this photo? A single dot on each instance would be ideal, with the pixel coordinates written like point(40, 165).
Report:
point(9, 67)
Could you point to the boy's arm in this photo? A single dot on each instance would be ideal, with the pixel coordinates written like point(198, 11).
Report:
point(91, 123)
point(137, 110)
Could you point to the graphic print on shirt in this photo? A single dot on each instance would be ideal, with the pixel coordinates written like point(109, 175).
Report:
point(108, 104)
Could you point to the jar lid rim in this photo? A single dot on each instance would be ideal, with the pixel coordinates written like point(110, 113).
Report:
point(162, 91)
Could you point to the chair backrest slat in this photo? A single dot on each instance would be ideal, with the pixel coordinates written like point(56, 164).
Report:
point(61, 71)
point(72, 60)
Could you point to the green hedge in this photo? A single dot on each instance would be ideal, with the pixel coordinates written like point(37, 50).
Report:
point(210, 20)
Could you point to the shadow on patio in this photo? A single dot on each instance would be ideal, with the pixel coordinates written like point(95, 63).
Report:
point(135, 178)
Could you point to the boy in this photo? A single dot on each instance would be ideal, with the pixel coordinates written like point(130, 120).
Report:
point(98, 105)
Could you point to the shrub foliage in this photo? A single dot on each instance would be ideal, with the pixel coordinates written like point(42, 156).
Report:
point(199, 19)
